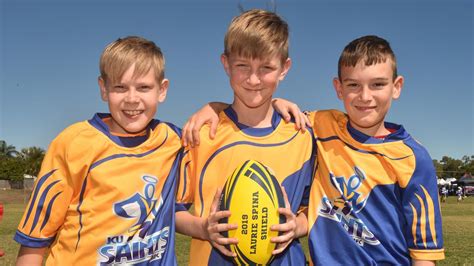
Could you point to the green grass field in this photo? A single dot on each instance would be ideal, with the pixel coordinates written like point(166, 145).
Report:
point(458, 228)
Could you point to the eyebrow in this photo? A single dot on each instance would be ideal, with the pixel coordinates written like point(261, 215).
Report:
point(374, 79)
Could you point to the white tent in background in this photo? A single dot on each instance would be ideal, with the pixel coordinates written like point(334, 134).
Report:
point(442, 182)
point(450, 179)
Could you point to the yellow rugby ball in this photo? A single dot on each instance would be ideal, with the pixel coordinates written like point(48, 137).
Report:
point(253, 195)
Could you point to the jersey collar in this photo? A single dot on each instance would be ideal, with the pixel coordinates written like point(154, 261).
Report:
point(252, 131)
point(398, 133)
point(98, 123)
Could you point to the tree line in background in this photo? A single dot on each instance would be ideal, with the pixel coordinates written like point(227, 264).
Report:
point(450, 167)
point(15, 164)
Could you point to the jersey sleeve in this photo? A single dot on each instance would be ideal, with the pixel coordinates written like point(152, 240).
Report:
point(422, 210)
point(49, 200)
point(185, 191)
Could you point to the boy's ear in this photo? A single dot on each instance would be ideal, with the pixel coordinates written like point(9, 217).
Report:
point(397, 87)
point(286, 68)
point(225, 63)
point(103, 89)
point(163, 90)
point(337, 87)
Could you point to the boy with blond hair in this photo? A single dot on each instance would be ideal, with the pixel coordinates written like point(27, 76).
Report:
point(256, 60)
point(106, 190)
point(374, 197)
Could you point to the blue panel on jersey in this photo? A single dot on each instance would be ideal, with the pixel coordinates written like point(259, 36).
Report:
point(362, 237)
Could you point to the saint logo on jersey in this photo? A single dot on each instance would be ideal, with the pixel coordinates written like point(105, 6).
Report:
point(344, 209)
point(143, 242)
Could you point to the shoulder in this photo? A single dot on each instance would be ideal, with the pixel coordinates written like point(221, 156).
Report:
point(225, 126)
point(419, 151)
point(423, 162)
point(164, 133)
point(71, 133)
point(73, 142)
point(329, 122)
point(331, 114)
point(175, 130)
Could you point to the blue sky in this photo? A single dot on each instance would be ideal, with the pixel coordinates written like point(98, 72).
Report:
point(49, 52)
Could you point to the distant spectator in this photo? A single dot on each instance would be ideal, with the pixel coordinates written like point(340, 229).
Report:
point(444, 194)
point(459, 194)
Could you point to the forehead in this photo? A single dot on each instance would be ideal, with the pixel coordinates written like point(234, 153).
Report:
point(131, 74)
point(361, 71)
point(268, 59)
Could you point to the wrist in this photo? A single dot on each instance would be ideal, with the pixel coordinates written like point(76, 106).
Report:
point(204, 235)
point(301, 226)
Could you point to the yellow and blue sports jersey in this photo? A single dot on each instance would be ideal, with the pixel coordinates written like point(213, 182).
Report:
point(373, 201)
point(103, 199)
point(280, 148)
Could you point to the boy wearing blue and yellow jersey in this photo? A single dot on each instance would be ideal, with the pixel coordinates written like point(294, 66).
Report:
point(374, 197)
point(256, 60)
point(106, 190)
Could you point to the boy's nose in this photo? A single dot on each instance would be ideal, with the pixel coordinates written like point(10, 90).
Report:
point(254, 79)
point(365, 94)
point(132, 96)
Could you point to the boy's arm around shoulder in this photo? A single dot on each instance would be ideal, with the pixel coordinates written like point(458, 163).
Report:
point(208, 114)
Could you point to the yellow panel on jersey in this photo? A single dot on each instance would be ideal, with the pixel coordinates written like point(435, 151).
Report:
point(280, 148)
point(374, 199)
point(101, 199)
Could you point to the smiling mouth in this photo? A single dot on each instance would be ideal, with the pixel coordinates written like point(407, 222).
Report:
point(132, 112)
point(254, 90)
point(365, 108)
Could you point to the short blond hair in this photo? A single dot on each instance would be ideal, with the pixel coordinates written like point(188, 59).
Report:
point(256, 34)
point(120, 55)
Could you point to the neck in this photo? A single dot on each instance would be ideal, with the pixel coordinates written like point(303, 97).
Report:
point(256, 117)
point(376, 130)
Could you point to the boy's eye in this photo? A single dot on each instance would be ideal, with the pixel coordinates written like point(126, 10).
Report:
point(379, 84)
point(119, 88)
point(268, 68)
point(144, 88)
point(352, 85)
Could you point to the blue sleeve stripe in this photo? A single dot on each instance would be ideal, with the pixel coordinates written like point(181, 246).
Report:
point(48, 210)
point(39, 207)
point(32, 242)
point(35, 194)
point(185, 174)
point(81, 198)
